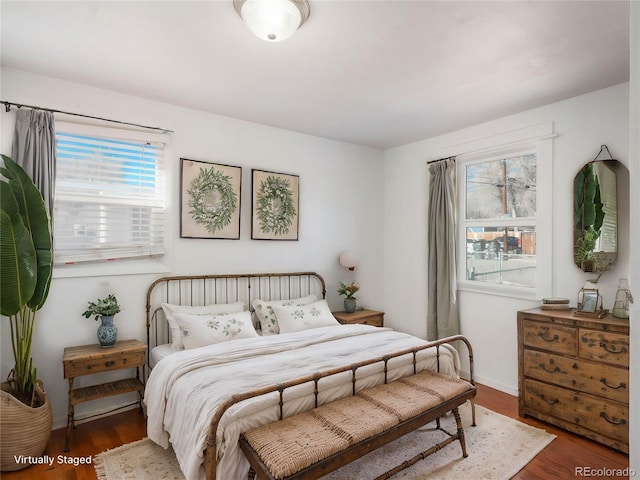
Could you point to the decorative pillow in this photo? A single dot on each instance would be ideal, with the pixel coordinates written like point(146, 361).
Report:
point(296, 318)
point(200, 330)
point(268, 320)
point(170, 310)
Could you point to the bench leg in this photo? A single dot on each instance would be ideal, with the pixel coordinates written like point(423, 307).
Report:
point(463, 444)
point(252, 474)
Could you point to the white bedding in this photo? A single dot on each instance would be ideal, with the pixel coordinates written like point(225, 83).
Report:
point(185, 388)
point(159, 352)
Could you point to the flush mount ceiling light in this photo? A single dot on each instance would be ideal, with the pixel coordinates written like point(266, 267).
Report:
point(273, 20)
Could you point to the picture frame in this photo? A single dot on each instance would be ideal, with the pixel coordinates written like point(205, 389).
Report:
point(589, 300)
point(210, 199)
point(275, 205)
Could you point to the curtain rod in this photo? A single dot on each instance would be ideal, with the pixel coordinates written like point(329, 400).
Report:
point(441, 160)
point(8, 105)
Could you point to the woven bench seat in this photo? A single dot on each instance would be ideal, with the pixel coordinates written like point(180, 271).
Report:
point(311, 444)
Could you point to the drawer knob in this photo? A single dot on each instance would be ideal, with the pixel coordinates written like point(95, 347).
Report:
point(613, 421)
point(622, 384)
point(605, 345)
point(109, 363)
point(543, 336)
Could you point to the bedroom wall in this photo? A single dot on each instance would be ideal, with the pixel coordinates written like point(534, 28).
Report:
point(634, 155)
point(340, 209)
point(582, 124)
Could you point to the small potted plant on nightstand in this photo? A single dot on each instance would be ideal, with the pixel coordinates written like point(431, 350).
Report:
point(349, 291)
point(105, 309)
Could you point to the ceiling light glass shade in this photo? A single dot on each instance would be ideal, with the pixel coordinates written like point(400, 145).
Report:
point(273, 20)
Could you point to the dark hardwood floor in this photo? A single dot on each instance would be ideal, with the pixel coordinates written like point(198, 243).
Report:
point(558, 461)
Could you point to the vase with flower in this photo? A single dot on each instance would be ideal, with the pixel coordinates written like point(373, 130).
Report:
point(105, 309)
point(349, 290)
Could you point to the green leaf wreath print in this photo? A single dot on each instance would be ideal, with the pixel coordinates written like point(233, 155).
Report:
point(211, 199)
point(275, 209)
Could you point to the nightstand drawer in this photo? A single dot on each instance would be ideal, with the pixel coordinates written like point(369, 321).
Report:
point(550, 337)
point(77, 368)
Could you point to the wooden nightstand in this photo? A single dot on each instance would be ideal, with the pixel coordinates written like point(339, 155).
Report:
point(90, 359)
point(367, 317)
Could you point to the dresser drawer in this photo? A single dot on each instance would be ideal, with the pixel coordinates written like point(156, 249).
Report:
point(591, 377)
point(604, 347)
point(76, 368)
point(555, 338)
point(607, 417)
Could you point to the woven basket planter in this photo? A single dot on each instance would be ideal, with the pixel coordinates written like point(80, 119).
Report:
point(23, 430)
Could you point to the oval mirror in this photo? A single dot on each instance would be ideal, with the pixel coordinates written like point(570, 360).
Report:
point(595, 216)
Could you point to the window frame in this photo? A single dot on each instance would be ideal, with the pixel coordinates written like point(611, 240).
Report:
point(123, 266)
point(538, 140)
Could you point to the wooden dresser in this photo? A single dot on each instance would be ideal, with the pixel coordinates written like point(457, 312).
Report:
point(574, 373)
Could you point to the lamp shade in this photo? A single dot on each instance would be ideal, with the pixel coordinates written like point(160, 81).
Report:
point(272, 20)
point(348, 260)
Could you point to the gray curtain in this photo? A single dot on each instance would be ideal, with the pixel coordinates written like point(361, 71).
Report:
point(442, 310)
point(34, 149)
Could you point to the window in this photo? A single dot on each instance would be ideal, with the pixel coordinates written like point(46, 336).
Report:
point(500, 219)
point(109, 194)
point(505, 212)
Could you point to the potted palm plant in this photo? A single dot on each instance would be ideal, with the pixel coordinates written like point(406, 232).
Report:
point(26, 263)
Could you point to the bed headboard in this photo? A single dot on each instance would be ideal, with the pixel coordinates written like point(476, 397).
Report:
point(208, 289)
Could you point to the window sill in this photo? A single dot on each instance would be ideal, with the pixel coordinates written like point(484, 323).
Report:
point(521, 293)
point(119, 267)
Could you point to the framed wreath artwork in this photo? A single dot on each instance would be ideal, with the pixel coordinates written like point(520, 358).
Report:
point(275, 206)
point(209, 200)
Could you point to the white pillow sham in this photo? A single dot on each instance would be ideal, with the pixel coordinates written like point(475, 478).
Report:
point(268, 320)
point(303, 317)
point(200, 330)
point(213, 309)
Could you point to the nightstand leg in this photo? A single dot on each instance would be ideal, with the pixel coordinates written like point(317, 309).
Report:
point(70, 417)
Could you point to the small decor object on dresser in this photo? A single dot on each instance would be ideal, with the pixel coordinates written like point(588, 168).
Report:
point(105, 309)
point(349, 291)
point(623, 299)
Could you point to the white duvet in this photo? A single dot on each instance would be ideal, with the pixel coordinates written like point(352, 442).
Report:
point(185, 388)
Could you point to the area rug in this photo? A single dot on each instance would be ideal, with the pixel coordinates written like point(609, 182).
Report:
point(498, 448)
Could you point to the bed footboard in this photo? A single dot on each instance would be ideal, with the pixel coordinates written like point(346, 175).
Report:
point(210, 456)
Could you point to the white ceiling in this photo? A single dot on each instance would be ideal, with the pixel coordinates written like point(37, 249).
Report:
point(377, 73)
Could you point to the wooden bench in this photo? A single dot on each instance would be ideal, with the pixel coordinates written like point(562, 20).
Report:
point(313, 443)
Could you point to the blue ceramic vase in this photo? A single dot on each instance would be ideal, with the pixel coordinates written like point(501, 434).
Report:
point(107, 332)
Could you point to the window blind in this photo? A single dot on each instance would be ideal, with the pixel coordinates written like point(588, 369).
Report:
point(109, 196)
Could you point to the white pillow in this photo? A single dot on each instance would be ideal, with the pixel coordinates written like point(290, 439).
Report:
point(297, 318)
point(200, 330)
point(213, 309)
point(268, 320)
